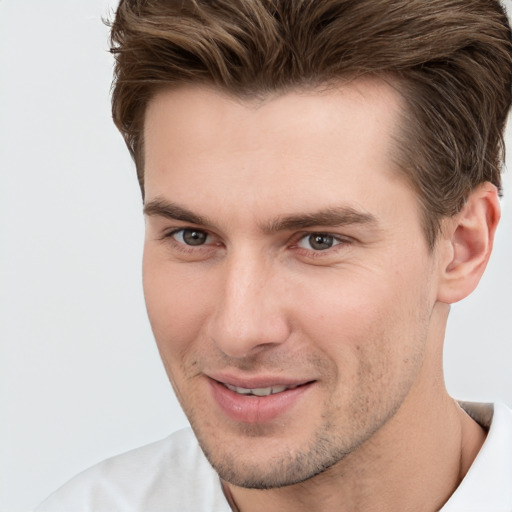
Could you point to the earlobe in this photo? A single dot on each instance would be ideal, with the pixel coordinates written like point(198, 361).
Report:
point(467, 244)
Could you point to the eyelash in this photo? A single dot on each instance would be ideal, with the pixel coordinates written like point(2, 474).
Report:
point(183, 247)
point(340, 241)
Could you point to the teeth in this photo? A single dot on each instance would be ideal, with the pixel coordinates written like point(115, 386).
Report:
point(259, 391)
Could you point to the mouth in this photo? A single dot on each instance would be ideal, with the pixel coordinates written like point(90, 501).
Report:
point(271, 390)
point(258, 400)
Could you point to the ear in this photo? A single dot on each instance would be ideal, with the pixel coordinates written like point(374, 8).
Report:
point(466, 244)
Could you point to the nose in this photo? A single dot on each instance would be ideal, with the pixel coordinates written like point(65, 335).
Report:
point(250, 314)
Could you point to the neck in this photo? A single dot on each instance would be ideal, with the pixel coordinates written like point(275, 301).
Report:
point(420, 473)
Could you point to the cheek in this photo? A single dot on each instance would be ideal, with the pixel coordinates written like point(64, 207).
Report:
point(346, 308)
point(376, 319)
point(176, 304)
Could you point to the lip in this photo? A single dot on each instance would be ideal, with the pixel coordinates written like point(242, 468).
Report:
point(252, 382)
point(256, 409)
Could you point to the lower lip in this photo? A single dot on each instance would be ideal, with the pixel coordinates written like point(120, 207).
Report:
point(255, 409)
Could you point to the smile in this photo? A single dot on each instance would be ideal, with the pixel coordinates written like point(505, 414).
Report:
point(259, 391)
point(257, 402)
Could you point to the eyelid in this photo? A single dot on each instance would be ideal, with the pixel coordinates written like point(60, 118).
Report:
point(343, 242)
point(172, 232)
point(186, 252)
point(336, 236)
point(306, 237)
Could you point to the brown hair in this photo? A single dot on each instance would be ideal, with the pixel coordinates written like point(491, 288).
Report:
point(450, 59)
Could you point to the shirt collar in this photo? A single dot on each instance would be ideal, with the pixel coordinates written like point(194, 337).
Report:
point(488, 484)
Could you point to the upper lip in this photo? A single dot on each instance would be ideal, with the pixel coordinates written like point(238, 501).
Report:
point(255, 382)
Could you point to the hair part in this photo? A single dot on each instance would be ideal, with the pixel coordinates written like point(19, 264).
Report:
point(450, 59)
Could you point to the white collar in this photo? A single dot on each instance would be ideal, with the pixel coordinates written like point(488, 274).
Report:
point(487, 487)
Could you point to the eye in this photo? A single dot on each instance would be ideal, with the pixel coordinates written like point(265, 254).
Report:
point(318, 241)
point(190, 236)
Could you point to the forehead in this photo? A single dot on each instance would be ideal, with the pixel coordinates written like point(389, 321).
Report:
point(302, 147)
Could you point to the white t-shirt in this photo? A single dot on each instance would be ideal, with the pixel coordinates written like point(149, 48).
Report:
point(173, 475)
point(487, 486)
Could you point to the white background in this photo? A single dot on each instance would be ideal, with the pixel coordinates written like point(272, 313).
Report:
point(80, 377)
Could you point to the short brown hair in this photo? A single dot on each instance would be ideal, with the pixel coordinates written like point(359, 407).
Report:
point(450, 59)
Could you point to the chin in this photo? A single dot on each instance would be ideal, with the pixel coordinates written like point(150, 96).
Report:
point(271, 469)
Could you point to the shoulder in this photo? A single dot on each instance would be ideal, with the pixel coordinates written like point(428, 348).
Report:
point(171, 475)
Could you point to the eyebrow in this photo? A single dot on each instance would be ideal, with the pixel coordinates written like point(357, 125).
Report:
point(330, 217)
point(172, 211)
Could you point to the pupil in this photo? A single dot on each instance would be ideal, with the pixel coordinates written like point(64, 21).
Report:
point(192, 237)
point(321, 242)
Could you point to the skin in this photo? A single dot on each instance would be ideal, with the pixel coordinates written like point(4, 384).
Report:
point(360, 319)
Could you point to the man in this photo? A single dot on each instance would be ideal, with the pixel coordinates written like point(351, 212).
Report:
point(320, 181)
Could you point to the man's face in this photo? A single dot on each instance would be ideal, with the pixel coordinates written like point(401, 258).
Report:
point(285, 255)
